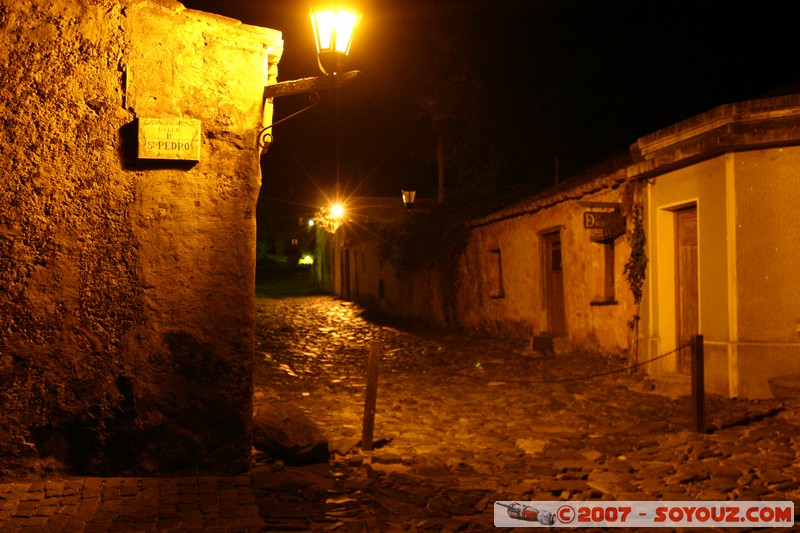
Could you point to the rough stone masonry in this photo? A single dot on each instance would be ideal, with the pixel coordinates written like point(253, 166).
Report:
point(126, 285)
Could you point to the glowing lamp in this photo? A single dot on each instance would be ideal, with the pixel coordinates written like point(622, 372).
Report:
point(408, 198)
point(337, 210)
point(333, 32)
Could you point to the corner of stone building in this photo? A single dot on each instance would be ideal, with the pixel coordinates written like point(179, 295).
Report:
point(127, 297)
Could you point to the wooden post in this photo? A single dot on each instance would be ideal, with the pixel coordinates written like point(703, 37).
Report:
point(440, 164)
point(698, 385)
point(371, 395)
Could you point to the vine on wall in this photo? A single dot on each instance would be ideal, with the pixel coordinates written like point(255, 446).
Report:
point(635, 272)
point(430, 241)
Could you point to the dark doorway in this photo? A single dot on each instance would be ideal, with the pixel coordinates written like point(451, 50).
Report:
point(554, 283)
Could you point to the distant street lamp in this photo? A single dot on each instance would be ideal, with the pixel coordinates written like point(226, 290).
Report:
point(408, 198)
point(330, 218)
point(334, 28)
point(337, 211)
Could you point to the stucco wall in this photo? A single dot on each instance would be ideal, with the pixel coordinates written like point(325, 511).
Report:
point(768, 266)
point(126, 293)
point(416, 293)
point(704, 185)
point(738, 164)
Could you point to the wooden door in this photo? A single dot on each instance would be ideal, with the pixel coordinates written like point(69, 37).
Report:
point(687, 321)
point(554, 283)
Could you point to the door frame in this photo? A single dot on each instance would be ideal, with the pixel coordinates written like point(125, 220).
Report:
point(555, 324)
point(664, 304)
point(684, 292)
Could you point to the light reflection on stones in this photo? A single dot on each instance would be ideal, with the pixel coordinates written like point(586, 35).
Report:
point(466, 420)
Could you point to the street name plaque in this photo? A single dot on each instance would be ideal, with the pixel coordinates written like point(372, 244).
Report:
point(602, 220)
point(169, 138)
point(604, 226)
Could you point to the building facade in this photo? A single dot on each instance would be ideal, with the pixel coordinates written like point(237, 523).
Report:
point(551, 266)
point(721, 191)
point(716, 198)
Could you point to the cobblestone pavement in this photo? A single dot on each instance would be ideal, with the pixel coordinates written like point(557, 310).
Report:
point(462, 421)
point(465, 420)
point(215, 504)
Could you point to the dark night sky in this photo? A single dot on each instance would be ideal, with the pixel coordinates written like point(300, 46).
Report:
point(575, 80)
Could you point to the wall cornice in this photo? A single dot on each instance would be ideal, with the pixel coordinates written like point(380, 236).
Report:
point(754, 124)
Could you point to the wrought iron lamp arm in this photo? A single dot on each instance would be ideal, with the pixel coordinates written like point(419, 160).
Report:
point(265, 137)
point(310, 86)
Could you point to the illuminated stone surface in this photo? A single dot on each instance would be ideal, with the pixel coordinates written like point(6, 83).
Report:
point(448, 440)
point(127, 285)
point(458, 436)
point(284, 432)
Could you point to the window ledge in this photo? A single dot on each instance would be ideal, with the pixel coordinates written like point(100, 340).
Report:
point(604, 302)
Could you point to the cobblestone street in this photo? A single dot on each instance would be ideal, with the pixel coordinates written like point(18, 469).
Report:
point(462, 420)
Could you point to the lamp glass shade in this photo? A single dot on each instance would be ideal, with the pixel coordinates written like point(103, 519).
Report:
point(333, 33)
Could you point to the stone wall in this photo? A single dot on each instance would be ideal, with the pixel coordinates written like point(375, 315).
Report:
point(499, 284)
point(126, 288)
point(502, 279)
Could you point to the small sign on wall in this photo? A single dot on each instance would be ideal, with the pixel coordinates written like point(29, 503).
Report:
point(604, 226)
point(602, 220)
point(169, 138)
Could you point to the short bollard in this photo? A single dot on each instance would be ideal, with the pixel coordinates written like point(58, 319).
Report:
point(698, 385)
point(371, 395)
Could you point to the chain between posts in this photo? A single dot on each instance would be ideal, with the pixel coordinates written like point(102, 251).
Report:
point(617, 371)
point(698, 385)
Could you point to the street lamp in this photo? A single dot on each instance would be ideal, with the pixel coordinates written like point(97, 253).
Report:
point(330, 218)
point(337, 211)
point(408, 198)
point(334, 28)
